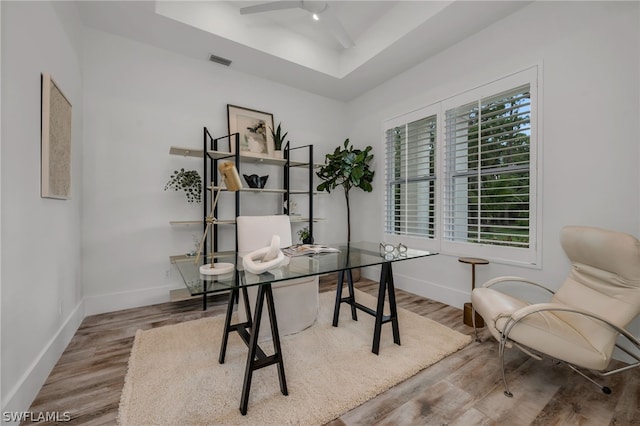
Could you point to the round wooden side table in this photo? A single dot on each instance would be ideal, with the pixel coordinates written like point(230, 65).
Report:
point(468, 309)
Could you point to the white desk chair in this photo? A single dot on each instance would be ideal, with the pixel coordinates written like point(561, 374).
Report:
point(296, 301)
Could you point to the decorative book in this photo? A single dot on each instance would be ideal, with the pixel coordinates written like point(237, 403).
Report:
point(308, 249)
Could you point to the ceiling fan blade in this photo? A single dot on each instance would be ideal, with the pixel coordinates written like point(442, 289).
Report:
point(268, 7)
point(331, 21)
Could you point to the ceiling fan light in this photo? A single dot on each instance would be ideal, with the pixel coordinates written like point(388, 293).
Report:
point(315, 17)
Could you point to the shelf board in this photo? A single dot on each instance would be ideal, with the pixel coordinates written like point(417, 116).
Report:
point(268, 190)
point(246, 189)
point(186, 152)
point(293, 219)
point(185, 222)
point(182, 257)
point(305, 164)
point(177, 257)
point(219, 155)
point(200, 222)
point(225, 222)
point(189, 222)
point(301, 192)
point(300, 219)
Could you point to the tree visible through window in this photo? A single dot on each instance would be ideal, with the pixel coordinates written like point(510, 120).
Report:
point(488, 170)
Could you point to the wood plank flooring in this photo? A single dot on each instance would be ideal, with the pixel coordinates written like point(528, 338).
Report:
point(462, 389)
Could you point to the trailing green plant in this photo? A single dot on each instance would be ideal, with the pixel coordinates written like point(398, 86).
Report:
point(347, 167)
point(188, 181)
point(278, 137)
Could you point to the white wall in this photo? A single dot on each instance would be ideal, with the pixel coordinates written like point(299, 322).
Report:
point(1, 31)
point(41, 252)
point(110, 244)
point(139, 101)
point(589, 161)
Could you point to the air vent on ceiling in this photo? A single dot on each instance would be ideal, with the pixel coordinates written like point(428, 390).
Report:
point(219, 60)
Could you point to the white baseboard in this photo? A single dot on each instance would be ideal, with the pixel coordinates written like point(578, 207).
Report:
point(426, 289)
point(19, 398)
point(111, 302)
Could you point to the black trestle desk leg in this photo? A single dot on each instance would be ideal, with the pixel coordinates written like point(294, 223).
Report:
point(352, 296)
point(350, 299)
point(256, 358)
point(336, 308)
point(247, 308)
point(386, 286)
point(393, 310)
point(275, 334)
point(251, 356)
point(227, 326)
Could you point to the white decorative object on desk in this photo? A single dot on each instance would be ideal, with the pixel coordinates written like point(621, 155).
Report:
point(265, 258)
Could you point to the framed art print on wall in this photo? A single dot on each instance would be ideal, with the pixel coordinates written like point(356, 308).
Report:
point(254, 129)
point(55, 166)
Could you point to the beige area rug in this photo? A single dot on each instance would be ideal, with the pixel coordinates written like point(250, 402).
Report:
point(174, 377)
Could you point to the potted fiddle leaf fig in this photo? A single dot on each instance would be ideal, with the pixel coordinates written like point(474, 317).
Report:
point(278, 140)
point(188, 181)
point(347, 167)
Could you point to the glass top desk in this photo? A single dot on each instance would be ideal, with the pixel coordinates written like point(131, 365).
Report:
point(354, 255)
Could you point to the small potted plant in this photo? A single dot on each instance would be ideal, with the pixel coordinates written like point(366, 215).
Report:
point(305, 236)
point(278, 140)
point(188, 181)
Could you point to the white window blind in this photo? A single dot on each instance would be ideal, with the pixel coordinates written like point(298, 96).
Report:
point(488, 170)
point(411, 178)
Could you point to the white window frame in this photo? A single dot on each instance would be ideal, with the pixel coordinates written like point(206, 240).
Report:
point(530, 256)
point(403, 121)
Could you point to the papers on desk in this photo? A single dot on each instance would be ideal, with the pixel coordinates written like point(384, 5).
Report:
point(307, 249)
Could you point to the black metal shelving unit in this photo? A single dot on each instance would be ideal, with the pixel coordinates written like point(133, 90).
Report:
point(211, 178)
point(221, 146)
point(287, 180)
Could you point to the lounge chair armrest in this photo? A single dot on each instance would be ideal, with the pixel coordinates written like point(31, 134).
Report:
point(522, 313)
point(516, 279)
point(541, 307)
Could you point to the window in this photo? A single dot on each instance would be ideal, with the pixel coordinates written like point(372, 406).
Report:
point(488, 170)
point(411, 178)
point(469, 188)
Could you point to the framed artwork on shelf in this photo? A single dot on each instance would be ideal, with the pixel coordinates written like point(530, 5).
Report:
point(253, 126)
point(55, 157)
